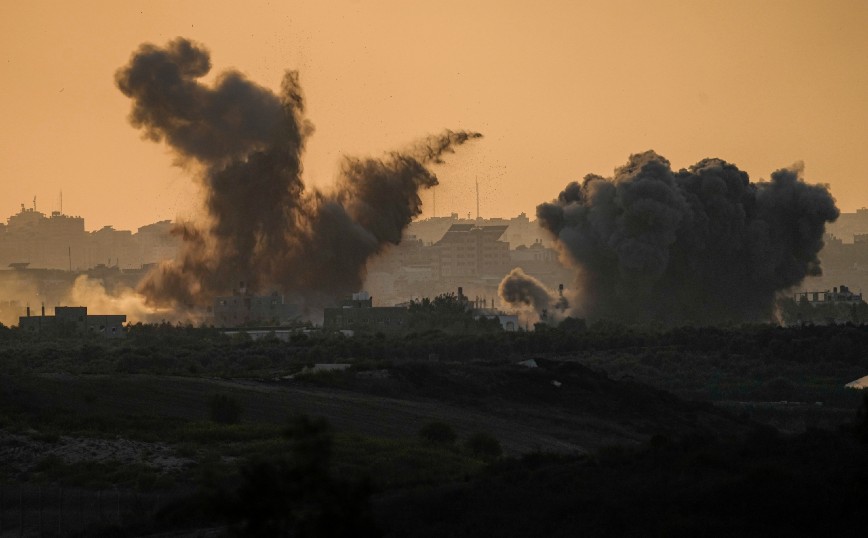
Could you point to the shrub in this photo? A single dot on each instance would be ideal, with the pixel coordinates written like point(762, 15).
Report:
point(438, 433)
point(298, 494)
point(45, 436)
point(860, 426)
point(224, 409)
point(484, 445)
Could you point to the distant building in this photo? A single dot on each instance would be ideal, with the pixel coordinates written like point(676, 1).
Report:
point(838, 295)
point(358, 313)
point(849, 225)
point(10, 311)
point(156, 242)
point(542, 262)
point(242, 308)
point(74, 320)
point(59, 241)
point(537, 252)
point(508, 322)
point(521, 230)
point(471, 251)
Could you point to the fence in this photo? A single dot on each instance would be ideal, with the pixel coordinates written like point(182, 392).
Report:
point(33, 510)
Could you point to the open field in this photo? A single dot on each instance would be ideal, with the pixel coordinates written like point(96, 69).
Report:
point(521, 407)
point(147, 434)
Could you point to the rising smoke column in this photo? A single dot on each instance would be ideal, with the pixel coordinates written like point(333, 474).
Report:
point(265, 227)
point(702, 245)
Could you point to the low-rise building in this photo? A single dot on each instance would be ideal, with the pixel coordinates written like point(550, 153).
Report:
point(358, 313)
point(74, 320)
point(244, 309)
point(838, 295)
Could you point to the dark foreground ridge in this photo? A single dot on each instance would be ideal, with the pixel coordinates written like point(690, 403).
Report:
point(764, 485)
point(561, 432)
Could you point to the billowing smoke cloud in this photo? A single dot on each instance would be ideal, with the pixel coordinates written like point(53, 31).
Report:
point(30, 291)
point(17, 294)
point(702, 245)
point(92, 293)
point(527, 293)
point(266, 228)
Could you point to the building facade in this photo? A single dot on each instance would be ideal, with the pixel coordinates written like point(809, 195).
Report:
point(470, 251)
point(243, 309)
point(358, 314)
point(839, 295)
point(59, 241)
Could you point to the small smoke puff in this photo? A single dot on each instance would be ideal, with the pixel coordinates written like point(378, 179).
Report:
point(525, 292)
point(701, 245)
point(25, 290)
point(519, 288)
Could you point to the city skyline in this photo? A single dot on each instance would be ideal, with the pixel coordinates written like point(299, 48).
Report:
point(558, 90)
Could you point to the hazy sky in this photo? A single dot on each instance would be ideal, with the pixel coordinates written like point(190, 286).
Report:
point(559, 88)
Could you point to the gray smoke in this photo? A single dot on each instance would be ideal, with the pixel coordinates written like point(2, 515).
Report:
point(266, 227)
point(523, 290)
point(702, 245)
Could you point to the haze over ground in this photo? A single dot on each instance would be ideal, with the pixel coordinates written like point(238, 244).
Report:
point(560, 89)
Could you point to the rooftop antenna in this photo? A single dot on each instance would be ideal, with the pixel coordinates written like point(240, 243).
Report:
point(61, 201)
point(34, 203)
point(477, 198)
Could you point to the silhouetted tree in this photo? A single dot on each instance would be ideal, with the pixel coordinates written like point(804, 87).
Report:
point(224, 409)
point(298, 495)
point(860, 427)
point(484, 445)
point(438, 433)
point(572, 325)
point(447, 312)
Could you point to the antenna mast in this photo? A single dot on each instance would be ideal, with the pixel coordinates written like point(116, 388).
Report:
point(477, 198)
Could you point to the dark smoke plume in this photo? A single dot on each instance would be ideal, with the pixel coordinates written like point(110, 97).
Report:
point(702, 245)
point(266, 228)
point(523, 290)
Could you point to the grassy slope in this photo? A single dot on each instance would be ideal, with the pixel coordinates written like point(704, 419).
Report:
point(521, 407)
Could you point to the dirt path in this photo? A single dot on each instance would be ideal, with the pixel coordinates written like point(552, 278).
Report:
point(520, 429)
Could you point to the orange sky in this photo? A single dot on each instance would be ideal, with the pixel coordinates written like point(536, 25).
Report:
point(559, 88)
